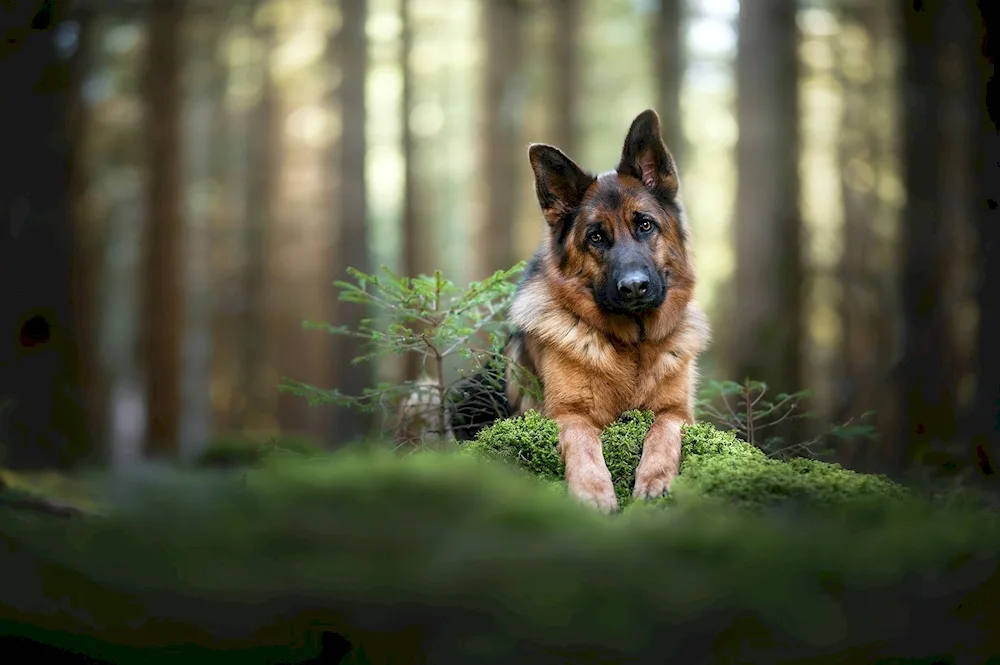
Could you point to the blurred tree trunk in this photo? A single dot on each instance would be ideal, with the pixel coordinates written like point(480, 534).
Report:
point(232, 132)
point(566, 44)
point(763, 338)
point(501, 121)
point(208, 88)
point(937, 155)
point(862, 305)
point(89, 245)
point(984, 420)
point(416, 249)
point(163, 297)
point(351, 250)
point(668, 66)
point(258, 403)
point(42, 419)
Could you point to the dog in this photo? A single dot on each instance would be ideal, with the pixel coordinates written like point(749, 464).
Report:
point(604, 316)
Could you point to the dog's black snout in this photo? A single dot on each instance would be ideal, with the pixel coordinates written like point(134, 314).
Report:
point(633, 285)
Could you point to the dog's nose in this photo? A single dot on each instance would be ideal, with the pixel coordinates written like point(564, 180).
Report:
point(633, 285)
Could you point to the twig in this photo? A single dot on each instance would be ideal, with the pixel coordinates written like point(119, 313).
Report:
point(736, 418)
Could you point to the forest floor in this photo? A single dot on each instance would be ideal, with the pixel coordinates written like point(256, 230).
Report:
point(451, 558)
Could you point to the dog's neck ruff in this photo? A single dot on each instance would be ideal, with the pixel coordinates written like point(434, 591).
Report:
point(540, 313)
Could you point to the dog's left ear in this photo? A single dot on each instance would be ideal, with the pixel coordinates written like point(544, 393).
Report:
point(645, 157)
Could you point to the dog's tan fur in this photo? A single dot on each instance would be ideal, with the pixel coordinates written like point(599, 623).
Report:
point(594, 365)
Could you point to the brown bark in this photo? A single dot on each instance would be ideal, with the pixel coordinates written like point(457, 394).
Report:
point(762, 340)
point(162, 301)
point(565, 44)
point(351, 206)
point(502, 154)
point(668, 65)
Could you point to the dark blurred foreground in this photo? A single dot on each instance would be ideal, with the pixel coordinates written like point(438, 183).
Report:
point(441, 559)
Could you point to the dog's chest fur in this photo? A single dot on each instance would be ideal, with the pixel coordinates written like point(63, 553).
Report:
point(580, 366)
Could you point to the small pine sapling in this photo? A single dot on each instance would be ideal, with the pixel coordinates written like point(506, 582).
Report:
point(446, 326)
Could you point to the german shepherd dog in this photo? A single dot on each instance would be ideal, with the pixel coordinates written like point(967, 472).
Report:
point(605, 316)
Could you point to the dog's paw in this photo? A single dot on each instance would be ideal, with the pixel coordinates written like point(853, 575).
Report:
point(652, 481)
point(603, 500)
point(595, 490)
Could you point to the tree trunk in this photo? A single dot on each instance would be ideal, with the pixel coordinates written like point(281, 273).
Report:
point(351, 205)
point(416, 249)
point(88, 246)
point(207, 99)
point(567, 23)
point(501, 121)
point(668, 65)
point(862, 306)
point(42, 420)
point(233, 134)
point(984, 417)
point(163, 297)
point(258, 403)
point(937, 154)
point(765, 333)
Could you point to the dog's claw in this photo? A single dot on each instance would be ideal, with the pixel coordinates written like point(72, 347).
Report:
point(604, 501)
point(651, 488)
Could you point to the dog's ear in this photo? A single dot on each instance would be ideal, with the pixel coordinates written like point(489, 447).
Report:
point(559, 183)
point(644, 156)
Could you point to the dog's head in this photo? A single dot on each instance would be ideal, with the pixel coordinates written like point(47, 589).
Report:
point(621, 234)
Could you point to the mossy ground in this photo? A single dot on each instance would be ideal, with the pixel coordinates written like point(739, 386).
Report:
point(715, 465)
point(456, 559)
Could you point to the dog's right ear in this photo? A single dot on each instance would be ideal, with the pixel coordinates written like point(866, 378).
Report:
point(559, 183)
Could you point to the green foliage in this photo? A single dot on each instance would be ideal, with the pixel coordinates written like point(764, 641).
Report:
point(426, 315)
point(715, 465)
point(746, 408)
point(479, 564)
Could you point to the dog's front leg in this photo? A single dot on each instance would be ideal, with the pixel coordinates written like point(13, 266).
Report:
point(661, 456)
point(587, 473)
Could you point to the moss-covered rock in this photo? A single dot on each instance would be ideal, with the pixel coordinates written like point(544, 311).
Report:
point(715, 465)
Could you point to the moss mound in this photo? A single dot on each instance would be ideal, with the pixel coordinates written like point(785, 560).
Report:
point(715, 465)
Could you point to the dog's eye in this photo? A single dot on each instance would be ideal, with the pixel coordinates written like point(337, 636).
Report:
point(645, 226)
point(597, 238)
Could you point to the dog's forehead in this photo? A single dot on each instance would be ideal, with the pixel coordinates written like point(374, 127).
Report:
point(611, 193)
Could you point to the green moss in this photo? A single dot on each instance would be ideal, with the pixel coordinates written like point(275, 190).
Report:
point(479, 564)
point(715, 465)
point(527, 442)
